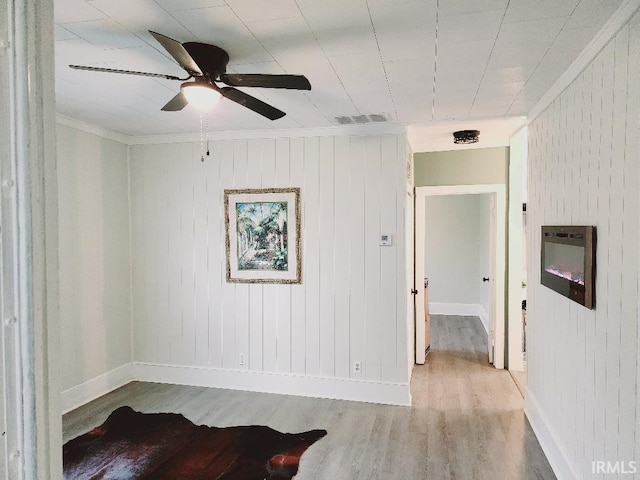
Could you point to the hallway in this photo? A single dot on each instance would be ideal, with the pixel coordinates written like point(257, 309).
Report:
point(466, 421)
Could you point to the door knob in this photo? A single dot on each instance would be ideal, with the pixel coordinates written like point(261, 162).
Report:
point(485, 279)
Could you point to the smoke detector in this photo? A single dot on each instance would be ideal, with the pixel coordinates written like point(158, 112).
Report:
point(466, 136)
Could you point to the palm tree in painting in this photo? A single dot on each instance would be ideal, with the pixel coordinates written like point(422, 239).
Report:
point(262, 235)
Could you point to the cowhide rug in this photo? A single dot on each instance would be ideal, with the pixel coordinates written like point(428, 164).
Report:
point(132, 445)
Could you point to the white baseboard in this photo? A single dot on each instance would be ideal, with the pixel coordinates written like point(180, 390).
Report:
point(96, 387)
point(287, 384)
point(558, 458)
point(460, 309)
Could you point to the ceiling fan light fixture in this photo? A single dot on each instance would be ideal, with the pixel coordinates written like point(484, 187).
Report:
point(466, 136)
point(201, 96)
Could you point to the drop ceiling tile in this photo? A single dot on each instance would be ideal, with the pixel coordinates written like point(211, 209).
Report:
point(471, 27)
point(216, 25)
point(525, 10)
point(519, 73)
point(465, 53)
point(407, 74)
point(574, 39)
point(510, 56)
point(69, 11)
point(348, 41)
point(62, 33)
point(105, 34)
point(334, 14)
point(392, 18)
point(590, 13)
point(142, 15)
point(362, 68)
point(407, 45)
point(251, 11)
point(542, 31)
point(172, 5)
point(488, 89)
point(450, 8)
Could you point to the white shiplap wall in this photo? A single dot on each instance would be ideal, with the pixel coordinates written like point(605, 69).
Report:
point(351, 304)
point(583, 170)
point(93, 218)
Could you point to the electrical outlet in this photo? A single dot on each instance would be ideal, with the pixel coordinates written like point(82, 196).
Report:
point(357, 367)
point(242, 360)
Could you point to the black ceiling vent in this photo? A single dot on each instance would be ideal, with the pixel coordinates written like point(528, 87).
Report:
point(466, 136)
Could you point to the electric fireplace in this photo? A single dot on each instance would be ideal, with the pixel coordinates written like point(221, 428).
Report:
point(568, 262)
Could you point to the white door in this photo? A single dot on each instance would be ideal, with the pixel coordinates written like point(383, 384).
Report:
point(421, 325)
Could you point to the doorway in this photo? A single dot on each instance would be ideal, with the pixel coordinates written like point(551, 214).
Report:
point(495, 320)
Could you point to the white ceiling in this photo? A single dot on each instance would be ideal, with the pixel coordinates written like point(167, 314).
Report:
point(489, 58)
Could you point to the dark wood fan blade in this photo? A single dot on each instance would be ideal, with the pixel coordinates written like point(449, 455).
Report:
point(252, 103)
point(176, 103)
point(178, 52)
point(294, 82)
point(128, 72)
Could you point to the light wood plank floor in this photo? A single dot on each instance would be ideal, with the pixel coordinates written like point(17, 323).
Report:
point(466, 421)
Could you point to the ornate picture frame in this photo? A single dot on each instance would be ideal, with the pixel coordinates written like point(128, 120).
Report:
point(263, 235)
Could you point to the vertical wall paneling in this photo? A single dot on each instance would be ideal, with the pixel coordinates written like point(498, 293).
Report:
point(312, 255)
point(215, 250)
point(356, 207)
point(298, 292)
point(230, 315)
point(583, 170)
point(255, 305)
point(629, 359)
point(282, 333)
point(327, 280)
point(341, 256)
point(373, 179)
point(388, 267)
point(270, 292)
point(351, 304)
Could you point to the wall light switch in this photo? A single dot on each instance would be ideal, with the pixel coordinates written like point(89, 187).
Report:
point(386, 239)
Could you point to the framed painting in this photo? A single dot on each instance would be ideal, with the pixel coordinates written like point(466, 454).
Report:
point(263, 235)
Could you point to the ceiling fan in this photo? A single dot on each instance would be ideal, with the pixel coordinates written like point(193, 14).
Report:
point(206, 65)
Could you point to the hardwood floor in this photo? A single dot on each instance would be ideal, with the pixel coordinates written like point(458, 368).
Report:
point(466, 421)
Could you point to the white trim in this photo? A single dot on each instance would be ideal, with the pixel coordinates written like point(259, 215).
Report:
point(342, 130)
point(542, 427)
point(609, 30)
point(279, 383)
point(96, 387)
point(93, 129)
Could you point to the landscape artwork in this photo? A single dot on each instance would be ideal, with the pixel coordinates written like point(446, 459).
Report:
point(263, 235)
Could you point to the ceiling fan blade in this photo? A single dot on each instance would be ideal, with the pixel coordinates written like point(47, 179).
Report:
point(294, 82)
point(178, 52)
point(252, 103)
point(128, 72)
point(176, 103)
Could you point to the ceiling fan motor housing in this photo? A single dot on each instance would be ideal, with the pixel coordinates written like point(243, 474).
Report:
point(212, 60)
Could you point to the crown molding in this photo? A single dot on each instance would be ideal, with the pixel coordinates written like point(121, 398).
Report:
point(343, 130)
point(93, 129)
point(608, 31)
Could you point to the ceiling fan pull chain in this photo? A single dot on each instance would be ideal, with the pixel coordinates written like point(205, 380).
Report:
point(201, 137)
point(207, 118)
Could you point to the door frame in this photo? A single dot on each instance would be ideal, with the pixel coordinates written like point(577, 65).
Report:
point(497, 283)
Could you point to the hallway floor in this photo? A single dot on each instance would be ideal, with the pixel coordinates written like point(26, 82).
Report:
point(466, 421)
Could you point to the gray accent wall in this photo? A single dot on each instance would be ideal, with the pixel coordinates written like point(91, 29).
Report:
point(94, 255)
point(462, 167)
